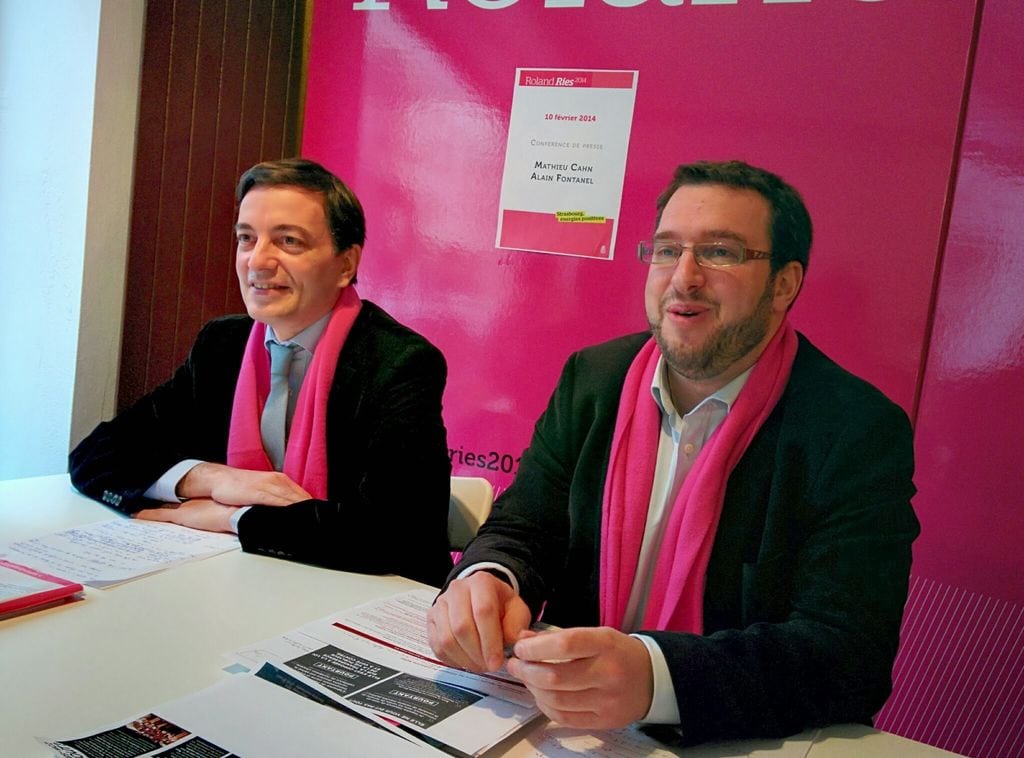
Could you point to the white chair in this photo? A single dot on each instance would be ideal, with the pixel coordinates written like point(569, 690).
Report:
point(468, 508)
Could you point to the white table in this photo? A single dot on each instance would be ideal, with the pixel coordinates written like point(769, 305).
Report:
point(69, 669)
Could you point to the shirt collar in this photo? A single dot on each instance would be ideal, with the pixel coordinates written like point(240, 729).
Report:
point(663, 397)
point(307, 339)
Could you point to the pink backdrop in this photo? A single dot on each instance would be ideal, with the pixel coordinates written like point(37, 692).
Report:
point(848, 100)
point(960, 675)
point(858, 104)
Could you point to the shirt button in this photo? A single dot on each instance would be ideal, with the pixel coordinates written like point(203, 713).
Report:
point(688, 448)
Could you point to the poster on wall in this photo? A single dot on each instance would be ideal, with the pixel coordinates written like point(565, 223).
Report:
point(565, 161)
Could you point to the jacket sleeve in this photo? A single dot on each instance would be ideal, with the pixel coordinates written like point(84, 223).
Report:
point(529, 529)
point(186, 417)
point(388, 479)
point(830, 608)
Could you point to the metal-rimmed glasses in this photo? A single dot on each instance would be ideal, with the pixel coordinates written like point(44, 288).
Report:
point(715, 254)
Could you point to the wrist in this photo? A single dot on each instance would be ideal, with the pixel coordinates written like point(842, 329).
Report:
point(663, 707)
point(196, 482)
point(504, 577)
point(493, 568)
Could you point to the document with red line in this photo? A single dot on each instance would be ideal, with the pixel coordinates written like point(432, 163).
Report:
point(375, 659)
point(24, 589)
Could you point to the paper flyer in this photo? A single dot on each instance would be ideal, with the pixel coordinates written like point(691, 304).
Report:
point(375, 659)
point(565, 161)
point(239, 716)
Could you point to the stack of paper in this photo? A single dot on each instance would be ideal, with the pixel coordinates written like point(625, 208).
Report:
point(23, 589)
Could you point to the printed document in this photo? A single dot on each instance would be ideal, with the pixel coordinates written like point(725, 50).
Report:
point(375, 659)
point(241, 716)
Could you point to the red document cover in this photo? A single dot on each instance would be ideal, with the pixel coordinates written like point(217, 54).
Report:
point(25, 589)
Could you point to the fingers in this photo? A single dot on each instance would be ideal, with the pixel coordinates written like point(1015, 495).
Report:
point(153, 514)
point(452, 643)
point(581, 708)
point(488, 624)
point(560, 694)
point(565, 644)
point(577, 719)
point(469, 624)
point(233, 486)
point(275, 488)
point(259, 488)
point(560, 676)
point(589, 678)
point(516, 624)
point(199, 513)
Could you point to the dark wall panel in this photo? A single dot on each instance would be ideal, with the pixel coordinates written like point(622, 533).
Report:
point(221, 90)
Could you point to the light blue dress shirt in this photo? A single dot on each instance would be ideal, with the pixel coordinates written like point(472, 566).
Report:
point(165, 488)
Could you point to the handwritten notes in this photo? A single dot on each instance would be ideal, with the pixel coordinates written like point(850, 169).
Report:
point(105, 553)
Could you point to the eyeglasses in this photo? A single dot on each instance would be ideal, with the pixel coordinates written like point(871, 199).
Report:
point(718, 254)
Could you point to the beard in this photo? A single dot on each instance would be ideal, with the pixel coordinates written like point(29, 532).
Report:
point(723, 347)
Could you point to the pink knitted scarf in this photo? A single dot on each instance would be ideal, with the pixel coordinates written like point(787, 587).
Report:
point(305, 457)
point(676, 597)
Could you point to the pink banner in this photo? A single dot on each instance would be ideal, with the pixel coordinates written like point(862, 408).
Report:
point(406, 105)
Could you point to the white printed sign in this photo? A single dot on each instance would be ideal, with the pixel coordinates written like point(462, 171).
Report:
point(565, 161)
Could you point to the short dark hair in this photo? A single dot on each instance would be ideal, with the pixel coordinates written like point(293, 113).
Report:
point(789, 221)
point(341, 206)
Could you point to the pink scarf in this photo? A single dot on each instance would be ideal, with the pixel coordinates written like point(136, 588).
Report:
point(676, 598)
point(305, 456)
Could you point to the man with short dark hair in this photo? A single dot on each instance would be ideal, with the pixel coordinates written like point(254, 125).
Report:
point(718, 517)
point(312, 427)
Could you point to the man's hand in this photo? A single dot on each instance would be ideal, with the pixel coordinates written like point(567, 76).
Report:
point(474, 619)
point(590, 678)
point(235, 486)
point(200, 513)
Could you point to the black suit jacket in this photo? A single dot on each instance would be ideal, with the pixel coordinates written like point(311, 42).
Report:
point(388, 466)
point(809, 570)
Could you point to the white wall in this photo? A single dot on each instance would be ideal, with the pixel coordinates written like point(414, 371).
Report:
point(108, 214)
point(49, 56)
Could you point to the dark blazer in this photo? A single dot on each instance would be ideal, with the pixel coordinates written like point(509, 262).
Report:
point(809, 570)
point(388, 476)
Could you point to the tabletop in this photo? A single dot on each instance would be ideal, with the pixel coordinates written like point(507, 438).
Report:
point(71, 668)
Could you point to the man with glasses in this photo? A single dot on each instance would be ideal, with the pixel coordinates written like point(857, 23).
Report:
point(311, 427)
point(718, 518)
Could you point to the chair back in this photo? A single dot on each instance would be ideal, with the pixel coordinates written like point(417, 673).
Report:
point(468, 507)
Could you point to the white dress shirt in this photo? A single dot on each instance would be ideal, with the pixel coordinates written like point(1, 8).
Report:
point(680, 441)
